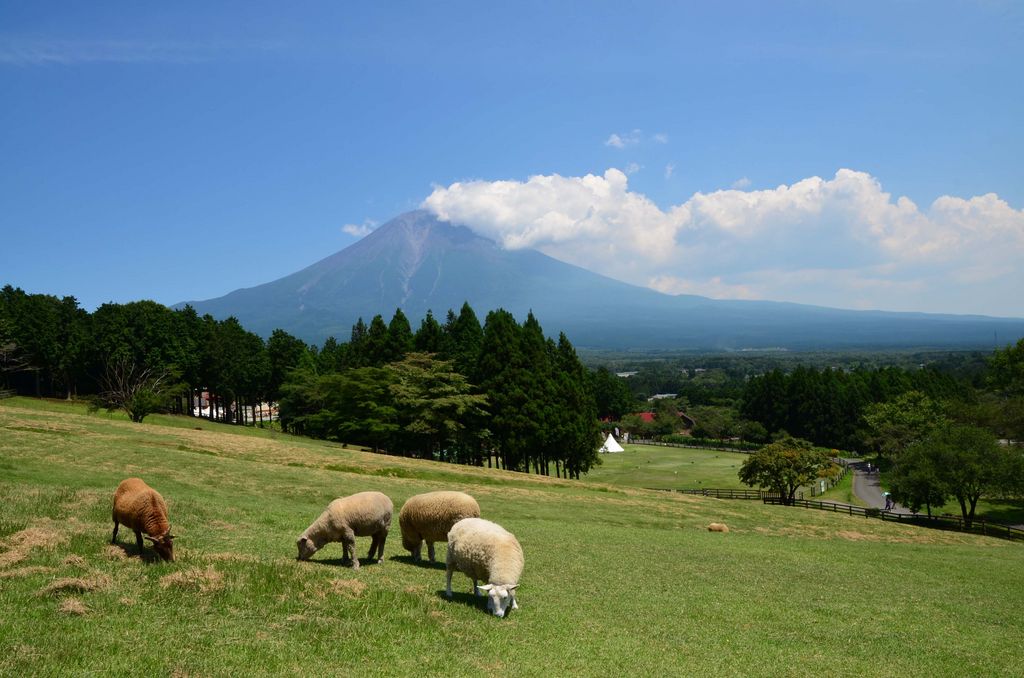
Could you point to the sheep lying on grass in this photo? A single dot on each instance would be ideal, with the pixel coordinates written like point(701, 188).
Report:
point(359, 515)
point(141, 508)
point(485, 551)
point(718, 527)
point(428, 517)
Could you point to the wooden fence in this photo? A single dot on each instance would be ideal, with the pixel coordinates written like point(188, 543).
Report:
point(941, 522)
point(730, 493)
point(6, 393)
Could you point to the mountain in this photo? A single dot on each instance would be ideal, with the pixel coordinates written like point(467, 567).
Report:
point(418, 263)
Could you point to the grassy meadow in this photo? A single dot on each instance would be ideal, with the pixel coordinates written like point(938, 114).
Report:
point(618, 580)
point(675, 468)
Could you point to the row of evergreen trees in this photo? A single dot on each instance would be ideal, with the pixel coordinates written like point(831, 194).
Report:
point(827, 406)
point(499, 393)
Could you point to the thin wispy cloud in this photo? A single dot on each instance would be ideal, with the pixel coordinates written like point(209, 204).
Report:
point(839, 241)
point(669, 169)
point(360, 230)
point(741, 183)
point(623, 140)
point(15, 51)
point(634, 138)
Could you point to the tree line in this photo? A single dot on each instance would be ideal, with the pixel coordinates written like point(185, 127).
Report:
point(498, 393)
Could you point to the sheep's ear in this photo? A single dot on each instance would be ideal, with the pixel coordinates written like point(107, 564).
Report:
point(513, 587)
point(146, 536)
point(485, 587)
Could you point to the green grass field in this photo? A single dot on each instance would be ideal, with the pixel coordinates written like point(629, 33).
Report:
point(618, 581)
point(672, 468)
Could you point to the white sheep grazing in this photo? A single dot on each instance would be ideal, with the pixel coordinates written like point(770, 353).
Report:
point(429, 517)
point(483, 550)
point(140, 508)
point(359, 515)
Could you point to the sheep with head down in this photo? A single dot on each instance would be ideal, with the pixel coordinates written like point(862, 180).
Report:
point(363, 514)
point(429, 517)
point(485, 551)
point(140, 508)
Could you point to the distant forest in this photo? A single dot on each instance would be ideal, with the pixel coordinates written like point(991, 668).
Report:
point(498, 392)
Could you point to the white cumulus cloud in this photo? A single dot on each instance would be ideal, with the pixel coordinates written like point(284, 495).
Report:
point(842, 241)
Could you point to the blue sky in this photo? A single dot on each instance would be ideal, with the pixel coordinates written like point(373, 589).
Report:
point(861, 155)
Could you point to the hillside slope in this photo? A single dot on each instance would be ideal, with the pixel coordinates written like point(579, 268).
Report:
point(617, 581)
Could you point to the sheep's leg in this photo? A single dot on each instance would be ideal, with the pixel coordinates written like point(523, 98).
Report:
point(448, 575)
point(476, 591)
point(377, 547)
point(348, 543)
point(380, 546)
point(416, 552)
point(430, 550)
point(138, 540)
point(113, 537)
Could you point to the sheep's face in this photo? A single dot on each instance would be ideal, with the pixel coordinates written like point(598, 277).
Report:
point(499, 598)
point(306, 548)
point(164, 546)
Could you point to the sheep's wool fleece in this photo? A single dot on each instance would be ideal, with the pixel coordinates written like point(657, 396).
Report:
point(366, 513)
point(139, 507)
point(485, 551)
point(431, 515)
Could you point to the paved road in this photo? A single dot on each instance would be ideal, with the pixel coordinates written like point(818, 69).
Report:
point(865, 486)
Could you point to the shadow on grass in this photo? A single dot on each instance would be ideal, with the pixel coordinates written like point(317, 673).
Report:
point(344, 562)
point(1006, 511)
point(425, 564)
point(467, 599)
point(132, 551)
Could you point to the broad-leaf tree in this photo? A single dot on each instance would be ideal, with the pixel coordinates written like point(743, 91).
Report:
point(786, 465)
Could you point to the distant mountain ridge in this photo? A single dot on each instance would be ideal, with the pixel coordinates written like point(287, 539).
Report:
point(416, 262)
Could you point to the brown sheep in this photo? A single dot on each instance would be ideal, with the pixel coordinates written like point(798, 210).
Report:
point(141, 508)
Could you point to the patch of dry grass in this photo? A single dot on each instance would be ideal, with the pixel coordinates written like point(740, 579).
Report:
point(350, 588)
point(194, 578)
point(19, 545)
point(95, 582)
point(26, 571)
point(228, 557)
point(72, 606)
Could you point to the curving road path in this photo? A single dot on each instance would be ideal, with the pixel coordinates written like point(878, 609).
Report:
point(867, 489)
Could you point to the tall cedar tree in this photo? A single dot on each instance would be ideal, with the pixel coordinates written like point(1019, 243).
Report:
point(499, 375)
point(575, 434)
point(464, 338)
point(429, 337)
point(375, 346)
point(400, 339)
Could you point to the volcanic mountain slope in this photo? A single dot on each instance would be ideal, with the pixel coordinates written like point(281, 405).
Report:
point(415, 262)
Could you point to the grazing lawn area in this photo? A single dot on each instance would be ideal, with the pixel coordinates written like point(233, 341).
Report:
point(618, 580)
point(673, 468)
point(842, 492)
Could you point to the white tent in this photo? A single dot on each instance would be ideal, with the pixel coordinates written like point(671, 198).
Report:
point(610, 445)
